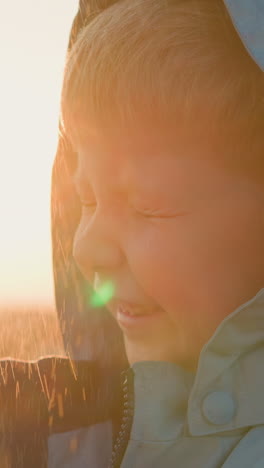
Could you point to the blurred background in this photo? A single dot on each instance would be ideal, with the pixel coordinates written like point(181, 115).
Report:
point(33, 42)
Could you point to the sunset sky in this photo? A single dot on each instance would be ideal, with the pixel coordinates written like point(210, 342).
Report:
point(34, 36)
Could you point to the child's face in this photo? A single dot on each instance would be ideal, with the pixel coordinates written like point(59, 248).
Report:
point(172, 230)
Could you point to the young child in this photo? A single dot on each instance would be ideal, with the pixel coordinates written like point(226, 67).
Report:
point(163, 106)
point(158, 204)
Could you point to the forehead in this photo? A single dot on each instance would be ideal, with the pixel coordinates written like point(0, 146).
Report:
point(139, 148)
point(160, 163)
point(121, 153)
point(147, 161)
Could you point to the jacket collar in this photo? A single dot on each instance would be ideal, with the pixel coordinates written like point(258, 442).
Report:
point(225, 394)
point(228, 389)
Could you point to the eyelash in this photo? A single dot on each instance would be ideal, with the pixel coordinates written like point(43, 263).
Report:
point(91, 205)
point(139, 213)
point(156, 216)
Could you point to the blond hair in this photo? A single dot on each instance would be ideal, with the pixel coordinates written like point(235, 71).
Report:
point(169, 61)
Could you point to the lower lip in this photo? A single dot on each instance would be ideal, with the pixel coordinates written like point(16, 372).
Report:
point(137, 321)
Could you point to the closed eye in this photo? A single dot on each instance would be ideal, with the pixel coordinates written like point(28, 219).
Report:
point(143, 213)
point(160, 215)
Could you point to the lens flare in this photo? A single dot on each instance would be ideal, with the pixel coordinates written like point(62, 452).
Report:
point(102, 295)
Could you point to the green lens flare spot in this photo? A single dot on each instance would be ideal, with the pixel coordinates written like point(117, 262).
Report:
point(103, 295)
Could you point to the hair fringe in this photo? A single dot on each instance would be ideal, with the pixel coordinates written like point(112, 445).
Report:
point(163, 61)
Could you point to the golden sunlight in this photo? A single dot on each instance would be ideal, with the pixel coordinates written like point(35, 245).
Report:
point(34, 36)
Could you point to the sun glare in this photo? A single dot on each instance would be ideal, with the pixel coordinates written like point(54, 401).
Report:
point(33, 47)
point(102, 295)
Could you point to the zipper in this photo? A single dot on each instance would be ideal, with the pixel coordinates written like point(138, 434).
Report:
point(122, 439)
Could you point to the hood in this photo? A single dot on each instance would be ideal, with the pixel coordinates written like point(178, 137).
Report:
point(248, 20)
point(87, 333)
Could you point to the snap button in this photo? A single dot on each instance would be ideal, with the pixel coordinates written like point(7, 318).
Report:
point(218, 407)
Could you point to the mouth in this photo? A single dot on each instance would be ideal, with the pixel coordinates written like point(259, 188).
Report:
point(131, 308)
point(131, 316)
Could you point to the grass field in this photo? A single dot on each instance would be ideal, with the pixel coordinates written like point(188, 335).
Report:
point(29, 334)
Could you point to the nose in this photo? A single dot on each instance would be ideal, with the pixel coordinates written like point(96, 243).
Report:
point(96, 245)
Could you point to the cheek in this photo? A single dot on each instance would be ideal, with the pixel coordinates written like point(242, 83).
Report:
point(79, 252)
point(162, 260)
point(76, 251)
point(77, 248)
point(187, 263)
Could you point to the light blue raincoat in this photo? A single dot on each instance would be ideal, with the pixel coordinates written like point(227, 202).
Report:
point(212, 419)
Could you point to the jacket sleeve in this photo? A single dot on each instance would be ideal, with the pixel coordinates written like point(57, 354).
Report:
point(53, 394)
point(23, 415)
